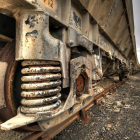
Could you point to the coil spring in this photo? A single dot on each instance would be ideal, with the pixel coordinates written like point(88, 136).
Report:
point(42, 87)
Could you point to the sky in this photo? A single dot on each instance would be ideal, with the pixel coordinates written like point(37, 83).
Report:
point(136, 12)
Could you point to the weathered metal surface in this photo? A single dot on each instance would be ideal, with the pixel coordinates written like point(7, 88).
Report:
point(32, 106)
point(112, 23)
point(102, 15)
point(40, 70)
point(34, 63)
point(84, 117)
point(37, 43)
point(120, 32)
point(48, 3)
point(78, 65)
point(41, 85)
point(14, 122)
point(107, 47)
point(53, 30)
point(47, 124)
point(56, 8)
point(41, 77)
point(31, 30)
point(82, 24)
point(8, 125)
point(10, 7)
point(33, 110)
point(75, 21)
point(43, 93)
point(108, 14)
point(2, 77)
point(97, 67)
point(72, 105)
point(93, 32)
point(62, 117)
point(114, 14)
point(7, 55)
point(77, 39)
point(59, 9)
point(80, 83)
point(40, 101)
point(53, 132)
point(125, 39)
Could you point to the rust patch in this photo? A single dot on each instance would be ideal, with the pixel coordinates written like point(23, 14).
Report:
point(80, 83)
point(75, 20)
point(29, 41)
point(48, 3)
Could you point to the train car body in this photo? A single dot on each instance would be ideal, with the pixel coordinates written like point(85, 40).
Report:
point(57, 50)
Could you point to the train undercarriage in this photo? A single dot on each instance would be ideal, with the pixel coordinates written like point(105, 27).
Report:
point(52, 52)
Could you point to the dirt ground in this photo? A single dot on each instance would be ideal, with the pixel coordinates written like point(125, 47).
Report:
point(117, 119)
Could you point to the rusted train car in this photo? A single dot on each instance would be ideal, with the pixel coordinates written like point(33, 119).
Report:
point(52, 51)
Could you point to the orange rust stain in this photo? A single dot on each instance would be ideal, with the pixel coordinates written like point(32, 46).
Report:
point(99, 71)
point(48, 3)
point(29, 41)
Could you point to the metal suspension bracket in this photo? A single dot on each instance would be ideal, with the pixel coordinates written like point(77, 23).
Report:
point(45, 62)
point(81, 81)
point(41, 97)
point(34, 41)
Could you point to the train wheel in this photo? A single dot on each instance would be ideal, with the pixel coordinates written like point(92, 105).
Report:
point(12, 87)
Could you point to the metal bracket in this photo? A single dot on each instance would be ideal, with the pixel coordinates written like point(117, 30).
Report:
point(77, 39)
point(84, 117)
point(34, 42)
point(75, 70)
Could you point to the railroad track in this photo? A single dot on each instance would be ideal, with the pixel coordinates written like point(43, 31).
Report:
point(82, 114)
